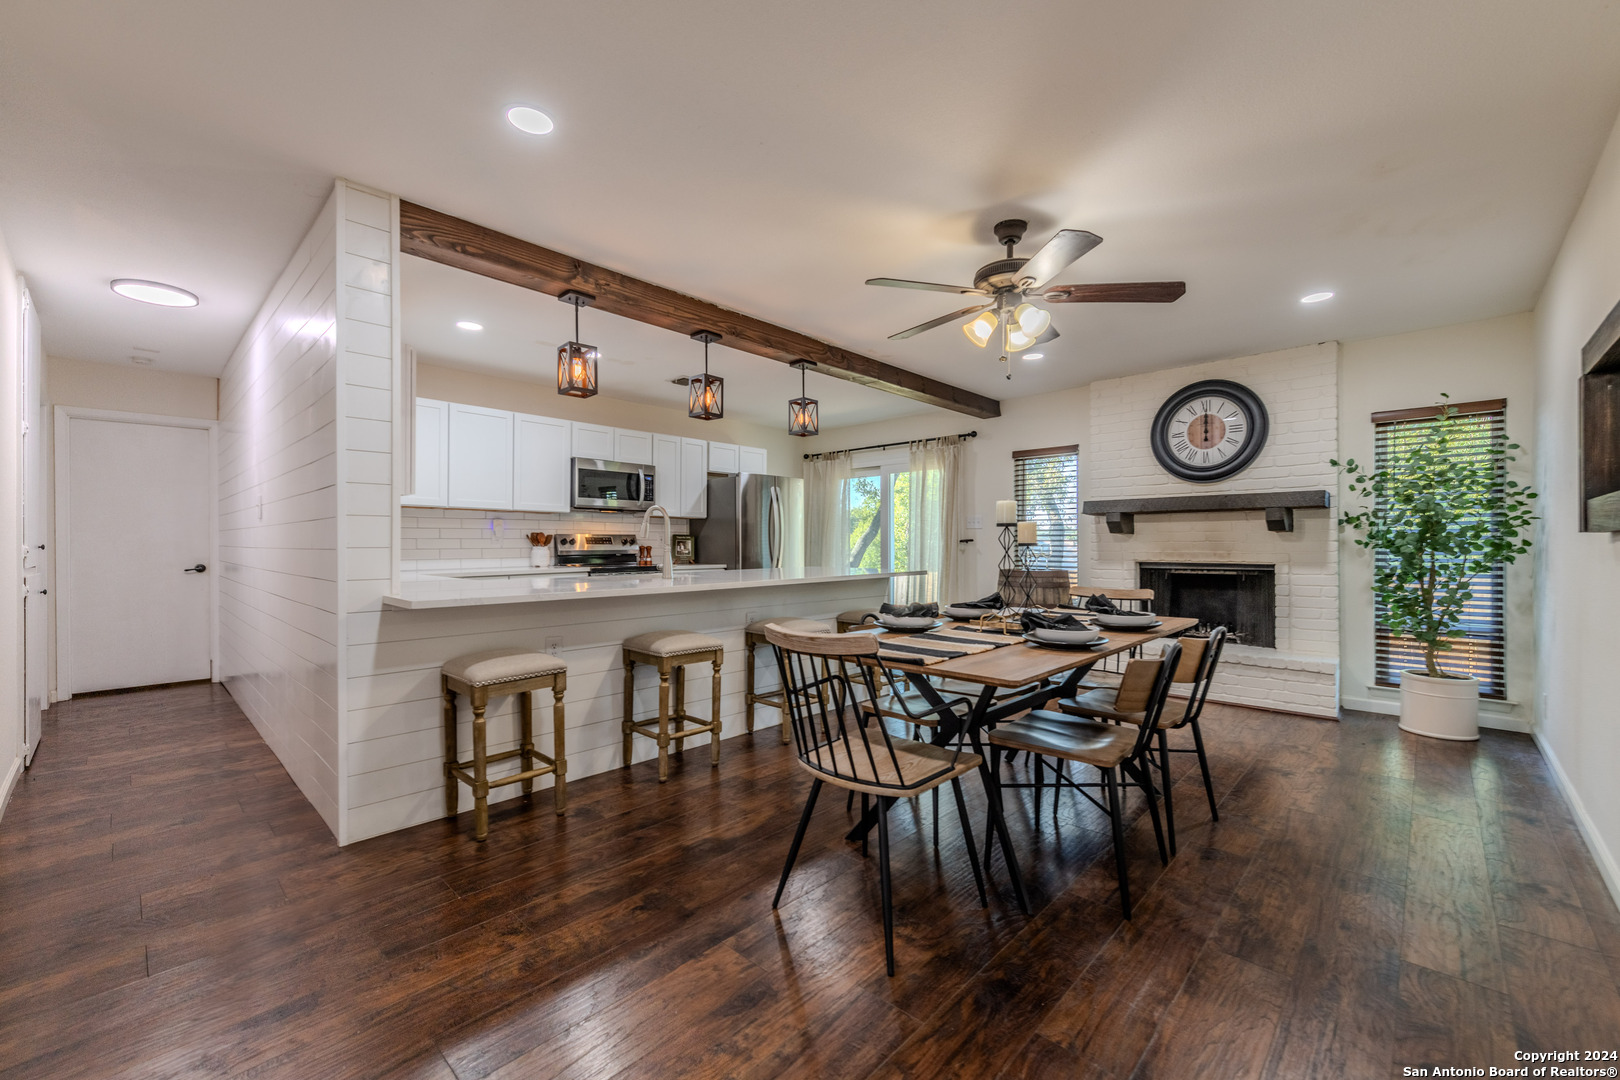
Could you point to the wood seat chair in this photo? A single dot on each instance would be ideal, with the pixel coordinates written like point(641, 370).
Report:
point(1048, 588)
point(1196, 671)
point(832, 684)
point(853, 619)
point(499, 673)
point(753, 638)
point(1119, 752)
point(669, 652)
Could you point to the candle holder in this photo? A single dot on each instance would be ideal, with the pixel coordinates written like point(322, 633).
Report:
point(1009, 563)
point(1026, 579)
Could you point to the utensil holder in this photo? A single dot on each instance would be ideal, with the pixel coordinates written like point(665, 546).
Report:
point(540, 555)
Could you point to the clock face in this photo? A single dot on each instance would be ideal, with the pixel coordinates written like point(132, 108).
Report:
point(1209, 430)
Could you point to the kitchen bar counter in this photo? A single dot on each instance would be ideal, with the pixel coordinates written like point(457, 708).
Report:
point(461, 592)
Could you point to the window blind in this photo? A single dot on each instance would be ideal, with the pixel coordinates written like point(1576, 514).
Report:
point(1046, 485)
point(1480, 648)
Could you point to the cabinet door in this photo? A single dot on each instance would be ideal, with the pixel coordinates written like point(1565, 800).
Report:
point(666, 463)
point(432, 453)
point(540, 467)
point(723, 457)
point(694, 479)
point(593, 441)
point(632, 447)
point(480, 458)
point(751, 459)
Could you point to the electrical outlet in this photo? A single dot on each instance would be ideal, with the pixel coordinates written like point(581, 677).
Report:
point(554, 646)
point(976, 521)
point(750, 618)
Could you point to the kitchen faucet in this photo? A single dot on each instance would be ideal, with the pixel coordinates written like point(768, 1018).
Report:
point(669, 552)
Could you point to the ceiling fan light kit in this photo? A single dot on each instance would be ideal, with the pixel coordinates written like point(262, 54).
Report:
point(705, 397)
point(803, 418)
point(576, 361)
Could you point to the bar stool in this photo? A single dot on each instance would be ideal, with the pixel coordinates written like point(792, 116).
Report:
point(852, 619)
point(670, 651)
point(753, 638)
point(501, 673)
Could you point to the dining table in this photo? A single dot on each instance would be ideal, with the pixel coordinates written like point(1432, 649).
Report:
point(1011, 679)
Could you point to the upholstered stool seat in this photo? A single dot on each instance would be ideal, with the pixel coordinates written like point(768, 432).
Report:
point(497, 673)
point(669, 651)
point(753, 638)
point(852, 619)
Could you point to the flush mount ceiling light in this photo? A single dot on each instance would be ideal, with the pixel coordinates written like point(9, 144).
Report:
point(529, 120)
point(1034, 356)
point(468, 324)
point(1315, 297)
point(153, 292)
point(705, 397)
point(803, 410)
point(576, 361)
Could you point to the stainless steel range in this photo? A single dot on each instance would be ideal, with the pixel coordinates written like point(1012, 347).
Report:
point(600, 553)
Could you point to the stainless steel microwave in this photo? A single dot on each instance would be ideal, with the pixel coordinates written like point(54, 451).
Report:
point(611, 485)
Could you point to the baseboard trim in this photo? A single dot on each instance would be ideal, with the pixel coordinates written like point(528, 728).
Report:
point(1487, 719)
point(1594, 841)
point(10, 783)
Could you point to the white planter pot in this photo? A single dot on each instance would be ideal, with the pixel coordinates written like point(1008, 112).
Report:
point(1440, 708)
point(540, 555)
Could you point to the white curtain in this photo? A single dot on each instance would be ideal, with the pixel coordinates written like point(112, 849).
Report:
point(936, 469)
point(826, 511)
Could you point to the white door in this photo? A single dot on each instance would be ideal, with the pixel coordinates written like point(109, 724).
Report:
point(36, 615)
point(480, 458)
point(540, 464)
point(138, 516)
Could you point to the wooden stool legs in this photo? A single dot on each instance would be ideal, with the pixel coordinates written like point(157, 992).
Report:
point(475, 773)
point(671, 723)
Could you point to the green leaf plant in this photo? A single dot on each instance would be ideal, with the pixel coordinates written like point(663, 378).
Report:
point(1442, 511)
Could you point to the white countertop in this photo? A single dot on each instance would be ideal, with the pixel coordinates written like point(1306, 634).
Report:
point(551, 571)
point(445, 592)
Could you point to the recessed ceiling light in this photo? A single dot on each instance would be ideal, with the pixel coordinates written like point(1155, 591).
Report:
point(529, 120)
point(154, 292)
point(1315, 297)
point(1034, 356)
point(467, 324)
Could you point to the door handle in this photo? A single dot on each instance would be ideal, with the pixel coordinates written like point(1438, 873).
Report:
point(198, 569)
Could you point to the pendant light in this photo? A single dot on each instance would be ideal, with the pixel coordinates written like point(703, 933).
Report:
point(803, 410)
point(705, 398)
point(576, 361)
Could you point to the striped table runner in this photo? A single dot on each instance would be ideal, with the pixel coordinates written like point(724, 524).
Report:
point(937, 646)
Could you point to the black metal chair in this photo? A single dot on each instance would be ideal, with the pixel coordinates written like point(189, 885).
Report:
point(836, 703)
point(1119, 753)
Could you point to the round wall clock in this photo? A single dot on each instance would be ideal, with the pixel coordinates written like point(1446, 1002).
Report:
point(1209, 430)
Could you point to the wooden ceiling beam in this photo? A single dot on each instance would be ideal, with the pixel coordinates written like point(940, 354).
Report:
point(456, 242)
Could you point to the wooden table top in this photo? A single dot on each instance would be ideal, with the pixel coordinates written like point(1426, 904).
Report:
point(1022, 664)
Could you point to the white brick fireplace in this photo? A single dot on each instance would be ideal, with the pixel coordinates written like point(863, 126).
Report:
point(1300, 390)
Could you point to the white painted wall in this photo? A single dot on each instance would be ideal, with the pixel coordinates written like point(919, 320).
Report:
point(11, 611)
point(1491, 358)
point(1578, 574)
point(278, 520)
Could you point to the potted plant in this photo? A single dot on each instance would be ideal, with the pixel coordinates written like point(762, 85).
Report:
point(1441, 512)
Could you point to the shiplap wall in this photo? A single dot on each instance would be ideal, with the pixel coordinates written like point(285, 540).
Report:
point(278, 526)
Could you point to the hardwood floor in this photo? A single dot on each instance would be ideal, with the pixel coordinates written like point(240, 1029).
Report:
point(1369, 899)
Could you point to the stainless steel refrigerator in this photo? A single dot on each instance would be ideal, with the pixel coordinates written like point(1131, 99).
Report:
point(755, 522)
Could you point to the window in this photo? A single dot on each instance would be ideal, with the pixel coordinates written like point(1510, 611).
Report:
point(1480, 647)
point(1046, 484)
point(880, 518)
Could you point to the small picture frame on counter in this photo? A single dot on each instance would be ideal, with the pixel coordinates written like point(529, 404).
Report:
point(684, 548)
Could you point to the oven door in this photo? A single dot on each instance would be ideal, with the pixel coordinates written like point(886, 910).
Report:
point(611, 485)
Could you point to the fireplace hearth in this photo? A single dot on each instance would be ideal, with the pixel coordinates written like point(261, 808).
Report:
point(1239, 596)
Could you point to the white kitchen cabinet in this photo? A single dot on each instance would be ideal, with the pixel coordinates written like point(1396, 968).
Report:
point(632, 447)
point(723, 457)
point(694, 502)
point(541, 473)
point(480, 458)
point(667, 469)
point(432, 462)
point(751, 459)
point(593, 441)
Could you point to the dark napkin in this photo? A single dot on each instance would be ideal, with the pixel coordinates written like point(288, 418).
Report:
point(1103, 606)
point(993, 602)
point(911, 611)
point(1035, 621)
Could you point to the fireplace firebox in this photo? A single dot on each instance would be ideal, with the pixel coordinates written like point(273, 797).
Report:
point(1239, 596)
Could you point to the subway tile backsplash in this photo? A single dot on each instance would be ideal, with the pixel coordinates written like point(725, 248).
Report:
point(466, 536)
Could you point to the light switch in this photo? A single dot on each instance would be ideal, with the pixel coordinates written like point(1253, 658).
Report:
point(976, 521)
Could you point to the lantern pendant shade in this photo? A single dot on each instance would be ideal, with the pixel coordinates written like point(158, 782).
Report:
point(576, 361)
point(705, 397)
point(803, 411)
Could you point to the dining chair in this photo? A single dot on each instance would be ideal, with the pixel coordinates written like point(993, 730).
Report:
point(1048, 588)
point(1196, 671)
point(1119, 753)
point(833, 685)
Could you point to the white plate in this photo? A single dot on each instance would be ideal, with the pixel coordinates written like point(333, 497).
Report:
point(1127, 622)
point(907, 622)
point(1066, 637)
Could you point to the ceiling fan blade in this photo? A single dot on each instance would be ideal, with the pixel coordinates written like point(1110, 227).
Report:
point(1065, 247)
point(1118, 292)
point(902, 283)
point(941, 321)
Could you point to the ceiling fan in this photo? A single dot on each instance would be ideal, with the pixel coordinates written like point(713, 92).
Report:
point(1011, 282)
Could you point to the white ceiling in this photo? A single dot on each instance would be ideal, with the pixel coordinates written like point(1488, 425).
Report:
point(1421, 160)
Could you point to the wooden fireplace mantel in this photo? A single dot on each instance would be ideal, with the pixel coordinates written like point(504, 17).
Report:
point(1278, 505)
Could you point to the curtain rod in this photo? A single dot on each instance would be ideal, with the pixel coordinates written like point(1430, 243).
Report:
point(886, 445)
